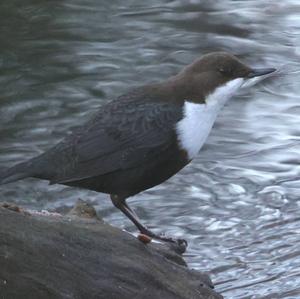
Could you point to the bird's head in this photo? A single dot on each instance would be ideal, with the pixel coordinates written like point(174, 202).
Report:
point(217, 76)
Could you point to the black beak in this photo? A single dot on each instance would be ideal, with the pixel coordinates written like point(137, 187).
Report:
point(260, 72)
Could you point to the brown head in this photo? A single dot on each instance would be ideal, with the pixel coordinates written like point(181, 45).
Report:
point(212, 71)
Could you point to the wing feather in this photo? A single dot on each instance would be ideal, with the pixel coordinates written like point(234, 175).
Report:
point(124, 134)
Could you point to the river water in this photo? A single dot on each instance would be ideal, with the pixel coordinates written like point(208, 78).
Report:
point(237, 203)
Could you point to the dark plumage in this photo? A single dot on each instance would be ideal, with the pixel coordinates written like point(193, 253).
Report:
point(131, 144)
point(106, 155)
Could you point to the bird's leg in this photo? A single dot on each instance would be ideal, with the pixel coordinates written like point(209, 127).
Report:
point(121, 204)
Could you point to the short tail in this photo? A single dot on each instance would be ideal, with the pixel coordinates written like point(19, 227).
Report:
point(15, 173)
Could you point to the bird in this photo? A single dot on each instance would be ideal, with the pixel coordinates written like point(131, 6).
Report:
point(142, 138)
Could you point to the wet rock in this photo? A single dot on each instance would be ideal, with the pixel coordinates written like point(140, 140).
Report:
point(84, 210)
point(79, 256)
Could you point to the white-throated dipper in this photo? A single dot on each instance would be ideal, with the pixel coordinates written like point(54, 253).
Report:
point(144, 137)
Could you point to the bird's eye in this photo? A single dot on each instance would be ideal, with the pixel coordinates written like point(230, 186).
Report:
point(224, 71)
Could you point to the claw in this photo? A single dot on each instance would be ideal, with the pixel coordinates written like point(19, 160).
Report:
point(180, 244)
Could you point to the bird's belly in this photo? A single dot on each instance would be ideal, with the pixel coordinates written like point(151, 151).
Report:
point(194, 128)
point(127, 182)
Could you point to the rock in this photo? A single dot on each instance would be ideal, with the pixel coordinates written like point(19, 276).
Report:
point(84, 210)
point(79, 256)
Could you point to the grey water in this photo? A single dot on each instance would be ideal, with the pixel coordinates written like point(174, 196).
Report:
point(238, 203)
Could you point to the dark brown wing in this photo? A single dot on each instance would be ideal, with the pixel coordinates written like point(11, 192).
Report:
point(124, 134)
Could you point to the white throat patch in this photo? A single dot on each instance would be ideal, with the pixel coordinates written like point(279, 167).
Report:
point(195, 126)
point(223, 93)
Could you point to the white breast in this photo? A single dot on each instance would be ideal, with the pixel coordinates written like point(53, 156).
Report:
point(194, 128)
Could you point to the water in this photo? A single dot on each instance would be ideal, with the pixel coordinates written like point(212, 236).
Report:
point(237, 203)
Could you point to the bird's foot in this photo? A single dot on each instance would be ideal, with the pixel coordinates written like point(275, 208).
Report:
point(180, 244)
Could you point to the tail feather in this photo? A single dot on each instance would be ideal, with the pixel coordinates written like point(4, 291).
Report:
point(15, 173)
